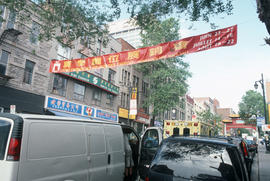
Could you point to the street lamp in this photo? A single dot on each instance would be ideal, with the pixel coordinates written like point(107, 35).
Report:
point(264, 103)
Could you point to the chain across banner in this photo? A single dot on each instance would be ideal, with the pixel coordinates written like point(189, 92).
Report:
point(214, 39)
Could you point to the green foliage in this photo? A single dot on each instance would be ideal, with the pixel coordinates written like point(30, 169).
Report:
point(88, 18)
point(77, 19)
point(213, 119)
point(251, 104)
point(167, 77)
point(144, 11)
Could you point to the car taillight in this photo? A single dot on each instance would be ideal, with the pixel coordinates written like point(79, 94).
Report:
point(195, 124)
point(146, 178)
point(14, 149)
point(195, 134)
point(168, 123)
point(245, 149)
point(167, 132)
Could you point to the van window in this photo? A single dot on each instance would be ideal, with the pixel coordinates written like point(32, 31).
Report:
point(4, 131)
point(49, 140)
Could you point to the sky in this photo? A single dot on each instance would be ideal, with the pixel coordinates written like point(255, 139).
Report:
point(226, 73)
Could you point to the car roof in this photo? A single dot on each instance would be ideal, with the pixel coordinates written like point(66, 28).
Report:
point(52, 118)
point(203, 139)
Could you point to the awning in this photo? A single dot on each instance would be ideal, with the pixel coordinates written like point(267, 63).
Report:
point(58, 113)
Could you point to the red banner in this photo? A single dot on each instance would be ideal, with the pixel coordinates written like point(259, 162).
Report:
point(213, 39)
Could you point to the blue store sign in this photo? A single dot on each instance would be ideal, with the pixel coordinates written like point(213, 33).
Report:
point(106, 115)
point(60, 105)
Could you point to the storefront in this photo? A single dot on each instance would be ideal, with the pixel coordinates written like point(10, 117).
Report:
point(141, 122)
point(123, 116)
point(24, 102)
point(67, 108)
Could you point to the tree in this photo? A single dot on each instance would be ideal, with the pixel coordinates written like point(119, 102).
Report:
point(76, 19)
point(263, 9)
point(251, 104)
point(213, 119)
point(167, 77)
point(88, 18)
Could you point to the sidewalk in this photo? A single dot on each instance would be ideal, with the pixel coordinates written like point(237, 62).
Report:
point(264, 163)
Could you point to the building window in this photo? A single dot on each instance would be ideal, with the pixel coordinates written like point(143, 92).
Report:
point(3, 62)
point(123, 99)
point(144, 88)
point(135, 82)
point(28, 71)
point(128, 99)
point(2, 10)
point(11, 20)
point(59, 85)
point(63, 53)
point(111, 76)
point(174, 113)
point(34, 34)
point(97, 96)
point(110, 99)
point(78, 92)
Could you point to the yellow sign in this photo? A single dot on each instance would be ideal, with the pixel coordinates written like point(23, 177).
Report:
point(123, 113)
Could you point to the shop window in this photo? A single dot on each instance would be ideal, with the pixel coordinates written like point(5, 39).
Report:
point(11, 20)
point(79, 91)
point(28, 71)
point(111, 76)
point(3, 62)
point(34, 34)
point(59, 85)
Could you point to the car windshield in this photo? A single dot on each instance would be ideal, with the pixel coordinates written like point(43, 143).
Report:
point(196, 161)
point(249, 142)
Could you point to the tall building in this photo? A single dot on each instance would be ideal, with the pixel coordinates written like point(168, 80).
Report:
point(131, 79)
point(26, 83)
point(207, 103)
point(127, 30)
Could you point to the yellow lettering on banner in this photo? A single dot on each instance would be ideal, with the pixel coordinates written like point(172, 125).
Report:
point(81, 63)
point(113, 58)
point(180, 45)
point(155, 51)
point(67, 64)
point(96, 61)
point(133, 55)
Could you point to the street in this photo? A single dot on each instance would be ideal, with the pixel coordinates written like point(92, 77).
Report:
point(263, 165)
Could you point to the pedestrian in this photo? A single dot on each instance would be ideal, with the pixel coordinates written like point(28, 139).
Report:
point(128, 159)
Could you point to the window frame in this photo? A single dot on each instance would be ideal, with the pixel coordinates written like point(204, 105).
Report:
point(78, 95)
point(2, 63)
point(28, 74)
point(60, 90)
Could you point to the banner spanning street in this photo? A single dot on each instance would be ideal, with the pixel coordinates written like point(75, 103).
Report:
point(213, 39)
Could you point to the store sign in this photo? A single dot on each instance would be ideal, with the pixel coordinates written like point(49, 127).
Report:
point(133, 102)
point(214, 39)
point(61, 105)
point(239, 122)
point(93, 80)
point(260, 121)
point(123, 113)
point(143, 118)
point(88, 111)
point(78, 109)
point(106, 115)
point(266, 127)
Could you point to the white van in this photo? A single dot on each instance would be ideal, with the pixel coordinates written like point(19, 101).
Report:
point(52, 148)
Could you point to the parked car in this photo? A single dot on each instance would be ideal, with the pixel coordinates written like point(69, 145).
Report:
point(252, 146)
point(197, 158)
point(50, 148)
